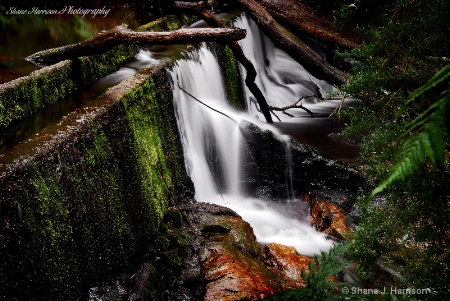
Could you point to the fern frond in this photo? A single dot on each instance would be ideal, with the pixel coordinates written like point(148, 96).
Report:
point(413, 156)
point(428, 133)
point(324, 266)
point(442, 76)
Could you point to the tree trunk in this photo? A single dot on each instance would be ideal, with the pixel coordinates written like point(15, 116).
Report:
point(298, 50)
point(120, 35)
point(296, 15)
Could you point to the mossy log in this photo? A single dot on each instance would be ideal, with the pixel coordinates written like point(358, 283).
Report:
point(120, 35)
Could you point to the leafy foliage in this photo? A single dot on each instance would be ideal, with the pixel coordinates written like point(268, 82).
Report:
point(431, 133)
point(402, 126)
point(324, 266)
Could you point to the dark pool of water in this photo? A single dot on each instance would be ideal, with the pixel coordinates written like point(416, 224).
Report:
point(320, 133)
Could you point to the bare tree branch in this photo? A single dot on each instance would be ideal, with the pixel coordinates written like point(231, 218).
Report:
point(106, 40)
point(339, 107)
point(211, 108)
point(295, 106)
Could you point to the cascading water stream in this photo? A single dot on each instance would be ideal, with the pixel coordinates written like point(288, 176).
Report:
point(213, 142)
point(282, 80)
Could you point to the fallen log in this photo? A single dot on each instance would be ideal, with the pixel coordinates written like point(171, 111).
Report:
point(296, 15)
point(104, 41)
point(202, 10)
point(293, 46)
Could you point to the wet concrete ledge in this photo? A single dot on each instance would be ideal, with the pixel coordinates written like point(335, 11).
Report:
point(25, 96)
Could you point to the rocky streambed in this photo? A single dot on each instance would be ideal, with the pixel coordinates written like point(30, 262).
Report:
point(208, 252)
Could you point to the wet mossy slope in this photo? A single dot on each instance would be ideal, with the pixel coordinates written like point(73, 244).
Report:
point(86, 205)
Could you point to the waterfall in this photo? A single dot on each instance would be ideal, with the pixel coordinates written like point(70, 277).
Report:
point(212, 143)
point(282, 80)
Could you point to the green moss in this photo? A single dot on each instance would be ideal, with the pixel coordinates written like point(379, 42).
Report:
point(168, 23)
point(232, 78)
point(30, 94)
point(171, 251)
point(93, 68)
point(141, 106)
point(174, 218)
point(94, 201)
point(25, 96)
point(46, 212)
point(154, 292)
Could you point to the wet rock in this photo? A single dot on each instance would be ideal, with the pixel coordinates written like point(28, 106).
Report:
point(233, 264)
point(329, 218)
point(329, 186)
point(287, 260)
point(313, 172)
point(265, 171)
point(233, 274)
point(270, 164)
point(212, 255)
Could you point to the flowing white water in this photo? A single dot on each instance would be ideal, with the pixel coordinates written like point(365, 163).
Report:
point(208, 136)
point(282, 80)
point(142, 59)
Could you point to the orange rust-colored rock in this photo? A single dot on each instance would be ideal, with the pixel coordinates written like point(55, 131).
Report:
point(235, 275)
point(287, 260)
point(329, 218)
point(233, 262)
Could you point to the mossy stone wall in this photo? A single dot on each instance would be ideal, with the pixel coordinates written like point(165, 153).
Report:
point(87, 205)
point(25, 96)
